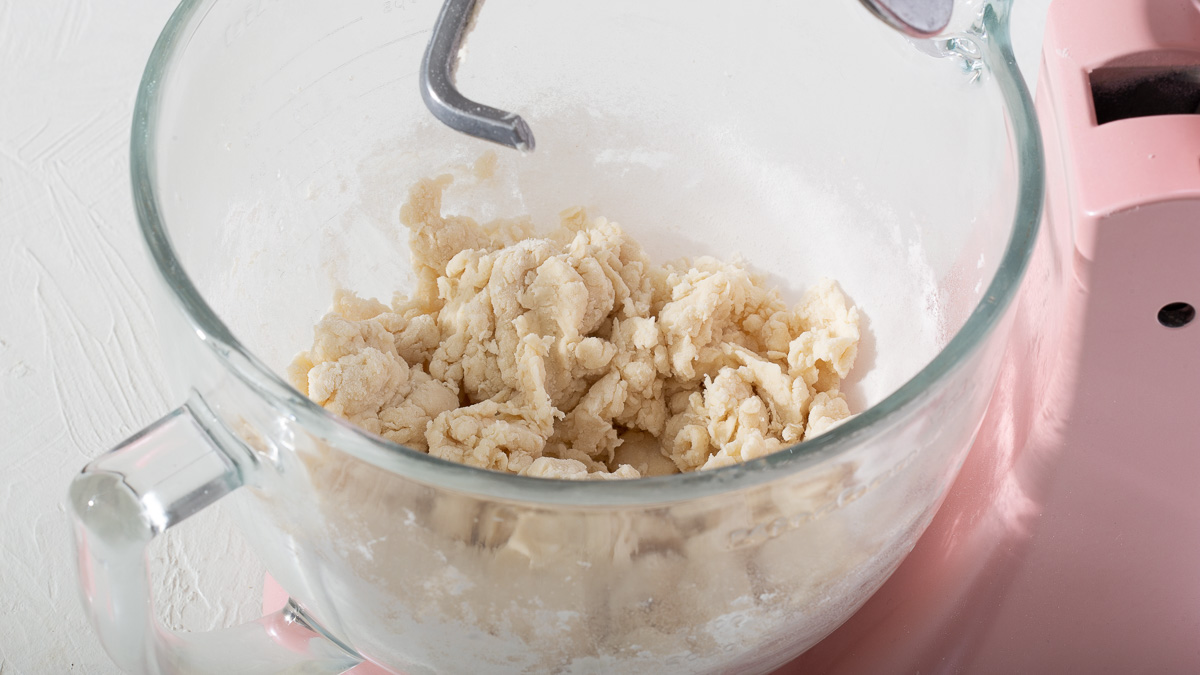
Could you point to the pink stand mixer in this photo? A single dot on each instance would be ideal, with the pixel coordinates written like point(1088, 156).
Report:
point(1067, 538)
point(1059, 549)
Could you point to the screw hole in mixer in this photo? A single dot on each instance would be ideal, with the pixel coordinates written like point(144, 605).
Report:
point(1176, 314)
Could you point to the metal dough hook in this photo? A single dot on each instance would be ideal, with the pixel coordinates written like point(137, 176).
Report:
point(918, 18)
point(443, 98)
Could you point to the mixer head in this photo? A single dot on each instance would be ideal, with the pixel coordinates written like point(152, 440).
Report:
point(918, 18)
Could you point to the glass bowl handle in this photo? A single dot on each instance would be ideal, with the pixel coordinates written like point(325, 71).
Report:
point(131, 494)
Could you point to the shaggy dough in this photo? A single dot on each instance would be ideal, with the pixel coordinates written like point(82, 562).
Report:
point(544, 355)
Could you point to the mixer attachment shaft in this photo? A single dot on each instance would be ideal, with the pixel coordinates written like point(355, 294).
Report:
point(918, 18)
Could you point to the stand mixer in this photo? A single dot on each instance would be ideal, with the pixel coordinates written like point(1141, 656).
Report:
point(1089, 436)
point(1060, 547)
point(1062, 543)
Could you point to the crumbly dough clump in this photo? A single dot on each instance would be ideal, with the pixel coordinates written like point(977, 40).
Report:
point(571, 355)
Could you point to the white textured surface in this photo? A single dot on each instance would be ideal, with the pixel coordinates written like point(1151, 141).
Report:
point(80, 368)
point(79, 360)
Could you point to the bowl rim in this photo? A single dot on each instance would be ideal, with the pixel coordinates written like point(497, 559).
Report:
point(419, 466)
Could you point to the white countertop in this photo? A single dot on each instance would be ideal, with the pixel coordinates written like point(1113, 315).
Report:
point(80, 368)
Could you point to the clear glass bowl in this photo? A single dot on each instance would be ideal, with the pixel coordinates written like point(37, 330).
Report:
point(273, 144)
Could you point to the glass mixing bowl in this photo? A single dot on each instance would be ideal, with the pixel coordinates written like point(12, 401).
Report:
point(273, 144)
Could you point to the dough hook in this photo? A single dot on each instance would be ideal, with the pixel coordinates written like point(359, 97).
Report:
point(918, 18)
point(443, 98)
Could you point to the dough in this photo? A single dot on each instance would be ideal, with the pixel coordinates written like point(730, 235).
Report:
point(542, 355)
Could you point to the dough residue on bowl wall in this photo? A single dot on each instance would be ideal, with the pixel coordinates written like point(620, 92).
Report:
point(571, 355)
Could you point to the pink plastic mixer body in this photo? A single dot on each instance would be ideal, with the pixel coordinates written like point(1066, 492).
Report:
point(1071, 539)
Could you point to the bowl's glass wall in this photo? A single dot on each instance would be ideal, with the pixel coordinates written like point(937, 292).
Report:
point(807, 138)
